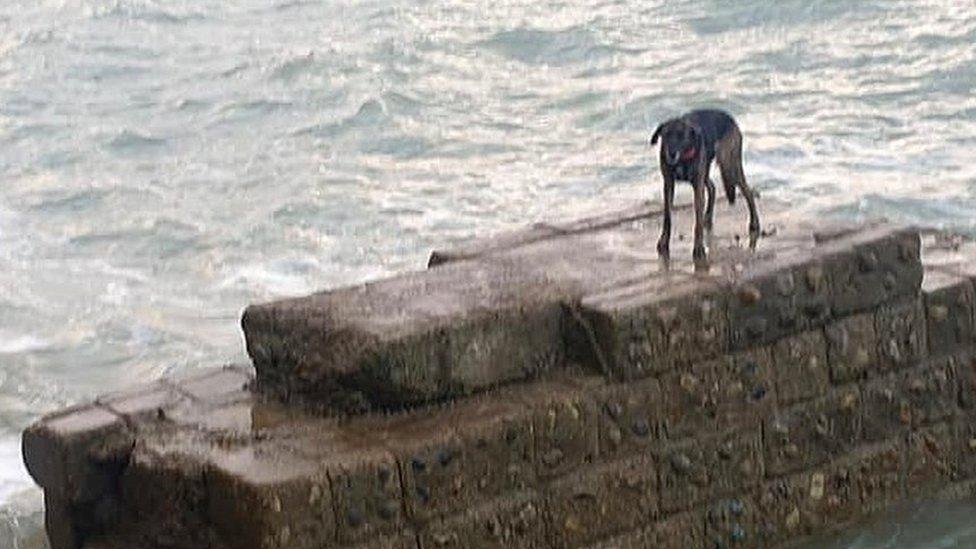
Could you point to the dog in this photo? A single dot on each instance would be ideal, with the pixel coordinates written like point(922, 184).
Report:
point(688, 146)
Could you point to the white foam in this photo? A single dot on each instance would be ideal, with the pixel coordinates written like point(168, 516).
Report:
point(14, 479)
point(23, 343)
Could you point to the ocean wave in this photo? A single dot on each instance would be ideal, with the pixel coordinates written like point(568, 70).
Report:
point(293, 67)
point(545, 47)
point(371, 113)
point(132, 141)
point(286, 277)
point(252, 108)
point(144, 10)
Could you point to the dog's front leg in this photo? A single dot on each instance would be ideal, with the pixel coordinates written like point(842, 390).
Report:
point(698, 252)
point(664, 243)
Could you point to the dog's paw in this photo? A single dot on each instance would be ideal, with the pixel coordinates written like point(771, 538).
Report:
point(698, 253)
point(663, 248)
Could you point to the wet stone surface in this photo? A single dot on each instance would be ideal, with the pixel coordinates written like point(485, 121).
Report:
point(591, 505)
point(949, 311)
point(697, 471)
point(852, 348)
point(514, 396)
point(812, 433)
point(800, 365)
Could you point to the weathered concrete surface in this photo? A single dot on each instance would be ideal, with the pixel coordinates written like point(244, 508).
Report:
point(517, 306)
point(559, 389)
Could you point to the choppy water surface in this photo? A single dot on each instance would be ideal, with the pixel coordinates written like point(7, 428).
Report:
point(163, 163)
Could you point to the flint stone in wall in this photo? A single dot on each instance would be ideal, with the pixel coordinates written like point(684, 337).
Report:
point(512, 521)
point(949, 308)
point(786, 294)
point(676, 531)
point(697, 471)
point(367, 495)
point(735, 522)
point(468, 453)
point(595, 503)
point(901, 332)
point(732, 391)
point(631, 417)
point(652, 326)
point(809, 434)
point(800, 367)
point(871, 267)
point(565, 424)
point(910, 399)
point(852, 348)
point(932, 461)
point(835, 494)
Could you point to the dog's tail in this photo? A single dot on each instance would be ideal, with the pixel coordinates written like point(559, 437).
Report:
point(729, 157)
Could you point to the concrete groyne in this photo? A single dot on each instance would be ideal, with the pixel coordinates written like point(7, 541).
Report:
point(555, 387)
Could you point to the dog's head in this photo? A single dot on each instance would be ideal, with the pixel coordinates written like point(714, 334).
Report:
point(680, 140)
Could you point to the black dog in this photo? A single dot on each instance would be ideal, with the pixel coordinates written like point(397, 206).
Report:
point(688, 146)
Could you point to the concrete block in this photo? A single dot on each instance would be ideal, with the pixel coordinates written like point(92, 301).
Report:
point(852, 348)
point(59, 525)
point(431, 464)
point(410, 339)
point(909, 399)
point(77, 455)
point(166, 496)
point(900, 329)
point(964, 363)
point(499, 445)
point(216, 385)
point(949, 306)
point(565, 422)
point(676, 531)
point(780, 297)
point(512, 521)
point(932, 460)
point(834, 494)
point(716, 395)
point(269, 503)
point(870, 267)
point(496, 243)
point(366, 494)
point(143, 404)
point(809, 434)
point(649, 327)
point(708, 468)
point(800, 367)
point(631, 417)
point(638, 213)
point(58, 450)
point(595, 503)
point(734, 522)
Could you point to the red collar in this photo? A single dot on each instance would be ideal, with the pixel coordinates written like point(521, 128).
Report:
point(689, 153)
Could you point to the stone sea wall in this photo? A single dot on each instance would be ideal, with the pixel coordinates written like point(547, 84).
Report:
point(556, 387)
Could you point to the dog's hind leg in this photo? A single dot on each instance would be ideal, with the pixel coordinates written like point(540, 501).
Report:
point(710, 208)
point(664, 243)
point(729, 155)
point(698, 252)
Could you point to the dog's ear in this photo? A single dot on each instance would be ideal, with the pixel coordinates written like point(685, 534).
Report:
point(657, 133)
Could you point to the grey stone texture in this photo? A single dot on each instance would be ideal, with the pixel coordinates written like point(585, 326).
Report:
point(555, 387)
